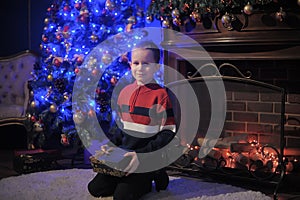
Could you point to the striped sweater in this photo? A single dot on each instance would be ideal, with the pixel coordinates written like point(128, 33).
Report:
point(147, 115)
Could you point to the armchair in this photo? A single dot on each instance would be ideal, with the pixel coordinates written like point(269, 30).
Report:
point(15, 71)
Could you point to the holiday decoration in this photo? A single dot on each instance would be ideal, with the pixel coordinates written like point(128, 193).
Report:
point(179, 12)
point(72, 28)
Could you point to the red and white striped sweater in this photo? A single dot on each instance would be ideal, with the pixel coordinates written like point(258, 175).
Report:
point(147, 115)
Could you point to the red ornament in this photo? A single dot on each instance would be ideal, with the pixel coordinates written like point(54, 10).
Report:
point(95, 72)
point(113, 80)
point(91, 113)
point(78, 6)
point(98, 91)
point(64, 140)
point(33, 119)
point(77, 70)
point(67, 8)
point(57, 62)
point(58, 37)
point(45, 39)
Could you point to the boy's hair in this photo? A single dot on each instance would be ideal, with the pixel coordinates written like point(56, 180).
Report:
point(151, 46)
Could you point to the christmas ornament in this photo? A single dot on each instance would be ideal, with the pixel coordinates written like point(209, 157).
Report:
point(113, 81)
point(50, 78)
point(176, 22)
point(298, 2)
point(106, 58)
point(91, 113)
point(248, 9)
point(280, 15)
point(33, 118)
point(95, 72)
point(33, 104)
point(77, 6)
point(226, 21)
point(66, 96)
point(66, 33)
point(46, 21)
point(94, 38)
point(109, 5)
point(175, 13)
point(53, 108)
point(79, 117)
point(44, 38)
point(78, 58)
point(84, 15)
point(77, 70)
point(67, 8)
point(38, 126)
point(166, 23)
point(57, 61)
point(195, 16)
point(64, 140)
point(149, 19)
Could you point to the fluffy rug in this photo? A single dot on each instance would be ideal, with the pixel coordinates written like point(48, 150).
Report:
point(72, 184)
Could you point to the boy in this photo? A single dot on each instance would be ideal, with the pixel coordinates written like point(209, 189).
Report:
point(148, 124)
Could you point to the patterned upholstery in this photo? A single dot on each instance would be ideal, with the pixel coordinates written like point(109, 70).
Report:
point(15, 71)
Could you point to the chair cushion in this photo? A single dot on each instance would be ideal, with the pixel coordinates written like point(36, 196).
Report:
point(8, 111)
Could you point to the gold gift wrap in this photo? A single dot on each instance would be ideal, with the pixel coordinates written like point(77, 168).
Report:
point(110, 161)
point(99, 166)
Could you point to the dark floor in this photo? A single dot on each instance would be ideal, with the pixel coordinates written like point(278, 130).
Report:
point(289, 190)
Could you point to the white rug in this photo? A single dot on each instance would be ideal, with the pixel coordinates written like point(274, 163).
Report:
point(72, 184)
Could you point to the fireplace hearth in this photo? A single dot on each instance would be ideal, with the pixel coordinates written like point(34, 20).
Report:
point(261, 135)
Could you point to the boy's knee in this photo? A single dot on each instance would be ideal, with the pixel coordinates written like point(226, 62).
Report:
point(93, 190)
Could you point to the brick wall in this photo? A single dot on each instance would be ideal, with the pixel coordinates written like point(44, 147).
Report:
point(258, 114)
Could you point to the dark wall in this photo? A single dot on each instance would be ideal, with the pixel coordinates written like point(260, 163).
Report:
point(22, 23)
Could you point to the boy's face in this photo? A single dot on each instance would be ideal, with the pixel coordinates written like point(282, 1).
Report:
point(143, 65)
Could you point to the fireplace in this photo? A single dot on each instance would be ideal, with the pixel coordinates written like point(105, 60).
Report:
point(262, 128)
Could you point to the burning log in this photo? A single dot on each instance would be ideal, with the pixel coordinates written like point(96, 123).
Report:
point(221, 143)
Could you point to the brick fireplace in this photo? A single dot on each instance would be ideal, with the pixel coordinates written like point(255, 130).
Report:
point(269, 54)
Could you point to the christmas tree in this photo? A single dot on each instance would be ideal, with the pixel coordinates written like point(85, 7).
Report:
point(72, 29)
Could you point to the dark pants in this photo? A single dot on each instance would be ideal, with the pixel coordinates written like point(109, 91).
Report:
point(130, 187)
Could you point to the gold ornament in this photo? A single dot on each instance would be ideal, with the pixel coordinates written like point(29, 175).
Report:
point(175, 13)
point(92, 62)
point(53, 108)
point(176, 21)
point(33, 104)
point(106, 58)
point(149, 19)
point(78, 117)
point(248, 9)
point(196, 17)
point(166, 23)
point(94, 38)
point(226, 19)
point(46, 20)
point(50, 78)
point(109, 5)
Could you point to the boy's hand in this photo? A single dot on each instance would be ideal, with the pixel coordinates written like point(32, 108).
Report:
point(133, 164)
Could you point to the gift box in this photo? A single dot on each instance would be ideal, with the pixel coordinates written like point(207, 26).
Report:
point(35, 160)
point(110, 162)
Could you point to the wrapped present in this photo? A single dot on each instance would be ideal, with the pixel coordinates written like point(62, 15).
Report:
point(34, 161)
point(110, 161)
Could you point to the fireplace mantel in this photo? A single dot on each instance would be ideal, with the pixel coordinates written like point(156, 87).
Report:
point(256, 40)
